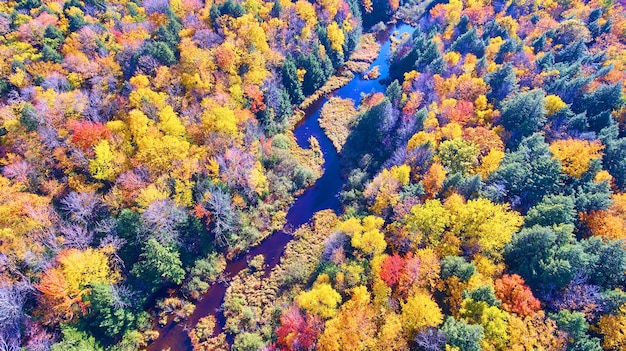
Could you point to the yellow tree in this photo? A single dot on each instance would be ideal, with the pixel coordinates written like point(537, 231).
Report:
point(169, 123)
point(64, 285)
point(107, 164)
point(553, 104)
point(534, 332)
point(366, 235)
point(353, 328)
point(390, 336)
point(22, 216)
point(420, 311)
point(613, 328)
point(160, 152)
point(483, 223)
point(336, 37)
point(427, 222)
point(220, 119)
point(575, 154)
point(322, 299)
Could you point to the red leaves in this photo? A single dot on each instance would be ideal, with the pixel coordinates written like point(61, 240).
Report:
point(391, 269)
point(256, 98)
point(373, 100)
point(298, 331)
point(86, 134)
point(516, 296)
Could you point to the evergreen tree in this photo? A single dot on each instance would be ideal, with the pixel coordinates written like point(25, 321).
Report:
point(530, 173)
point(75, 340)
point(158, 266)
point(502, 82)
point(469, 42)
point(523, 114)
point(110, 316)
point(552, 210)
point(461, 335)
point(290, 81)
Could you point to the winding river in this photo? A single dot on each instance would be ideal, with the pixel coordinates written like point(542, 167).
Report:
point(322, 195)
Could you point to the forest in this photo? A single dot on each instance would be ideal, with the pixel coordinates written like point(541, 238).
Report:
point(147, 147)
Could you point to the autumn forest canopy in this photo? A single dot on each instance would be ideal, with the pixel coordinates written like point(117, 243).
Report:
point(147, 145)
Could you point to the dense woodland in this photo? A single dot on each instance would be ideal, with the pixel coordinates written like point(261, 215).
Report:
point(145, 144)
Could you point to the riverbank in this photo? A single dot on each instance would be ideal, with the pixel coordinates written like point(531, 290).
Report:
point(322, 195)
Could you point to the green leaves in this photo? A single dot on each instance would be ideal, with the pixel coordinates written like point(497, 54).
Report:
point(159, 265)
point(523, 114)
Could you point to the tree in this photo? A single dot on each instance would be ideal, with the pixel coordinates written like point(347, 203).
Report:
point(575, 155)
point(420, 311)
point(322, 300)
point(106, 165)
point(162, 220)
point(494, 322)
point(545, 257)
point(291, 82)
point(75, 340)
point(552, 210)
point(516, 296)
point(314, 77)
point(223, 218)
point(523, 114)
point(431, 339)
point(613, 328)
point(51, 54)
point(607, 262)
point(483, 225)
point(609, 223)
point(529, 173)
point(353, 326)
point(390, 270)
point(469, 42)
point(83, 207)
point(457, 266)
point(535, 332)
point(366, 235)
point(576, 327)
point(466, 337)
point(12, 314)
point(427, 222)
point(161, 51)
point(86, 134)
point(336, 37)
point(502, 83)
point(614, 160)
point(221, 119)
point(64, 286)
point(605, 98)
point(109, 314)
point(458, 156)
point(247, 341)
point(158, 265)
point(390, 336)
point(298, 331)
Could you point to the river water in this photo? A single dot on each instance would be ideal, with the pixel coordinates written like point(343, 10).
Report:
point(322, 195)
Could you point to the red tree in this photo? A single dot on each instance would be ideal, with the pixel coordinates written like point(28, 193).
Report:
point(391, 269)
point(297, 331)
point(86, 134)
point(516, 296)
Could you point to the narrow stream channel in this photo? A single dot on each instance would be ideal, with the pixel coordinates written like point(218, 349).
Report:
point(322, 195)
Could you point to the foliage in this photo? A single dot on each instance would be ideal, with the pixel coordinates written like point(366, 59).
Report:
point(158, 264)
point(147, 143)
point(321, 300)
